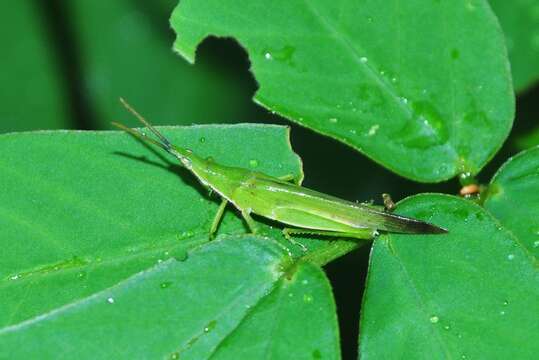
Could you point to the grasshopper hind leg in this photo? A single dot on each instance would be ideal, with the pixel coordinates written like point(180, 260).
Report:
point(360, 234)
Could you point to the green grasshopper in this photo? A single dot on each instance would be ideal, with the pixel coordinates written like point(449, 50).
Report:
point(307, 211)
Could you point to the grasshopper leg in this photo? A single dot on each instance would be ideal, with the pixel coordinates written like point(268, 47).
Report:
point(289, 177)
point(249, 221)
point(289, 231)
point(218, 217)
point(361, 234)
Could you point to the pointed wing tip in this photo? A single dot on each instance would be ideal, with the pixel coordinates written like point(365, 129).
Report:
point(427, 228)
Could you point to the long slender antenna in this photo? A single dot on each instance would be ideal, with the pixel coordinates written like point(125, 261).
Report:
point(140, 135)
point(167, 145)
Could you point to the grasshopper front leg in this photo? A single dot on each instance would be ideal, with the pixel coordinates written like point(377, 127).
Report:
point(218, 217)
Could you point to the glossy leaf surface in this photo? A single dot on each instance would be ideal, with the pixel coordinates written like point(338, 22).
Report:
point(468, 294)
point(428, 99)
point(107, 253)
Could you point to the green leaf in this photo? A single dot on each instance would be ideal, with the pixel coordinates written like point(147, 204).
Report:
point(424, 88)
point(468, 294)
point(520, 22)
point(513, 198)
point(32, 94)
point(108, 251)
point(219, 302)
point(134, 60)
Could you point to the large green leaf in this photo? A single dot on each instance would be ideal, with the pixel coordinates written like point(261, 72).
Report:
point(31, 89)
point(127, 54)
point(102, 200)
point(469, 294)
point(520, 22)
point(513, 198)
point(106, 254)
point(227, 299)
point(424, 88)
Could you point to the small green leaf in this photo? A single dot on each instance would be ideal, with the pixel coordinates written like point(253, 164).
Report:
point(32, 94)
point(513, 198)
point(471, 293)
point(520, 22)
point(424, 88)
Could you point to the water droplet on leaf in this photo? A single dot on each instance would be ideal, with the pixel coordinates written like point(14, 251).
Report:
point(165, 284)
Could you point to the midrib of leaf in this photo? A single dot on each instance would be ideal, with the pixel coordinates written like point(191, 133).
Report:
point(45, 269)
point(357, 53)
point(75, 304)
point(354, 50)
point(267, 289)
point(241, 298)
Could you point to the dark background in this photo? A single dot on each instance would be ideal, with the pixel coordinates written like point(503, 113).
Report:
point(91, 66)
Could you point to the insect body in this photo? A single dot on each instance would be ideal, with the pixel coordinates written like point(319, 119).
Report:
point(307, 211)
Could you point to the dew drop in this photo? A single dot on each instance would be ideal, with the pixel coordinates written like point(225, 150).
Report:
point(333, 120)
point(353, 131)
point(393, 80)
point(536, 243)
point(267, 56)
point(502, 312)
point(165, 284)
point(307, 298)
point(210, 326)
point(404, 100)
point(363, 59)
point(253, 163)
point(434, 319)
point(510, 257)
point(373, 130)
point(447, 327)
point(202, 139)
point(505, 303)
point(182, 256)
point(174, 356)
point(110, 300)
point(81, 275)
point(305, 282)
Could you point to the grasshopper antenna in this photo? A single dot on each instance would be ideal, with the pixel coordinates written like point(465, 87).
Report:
point(140, 135)
point(165, 144)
